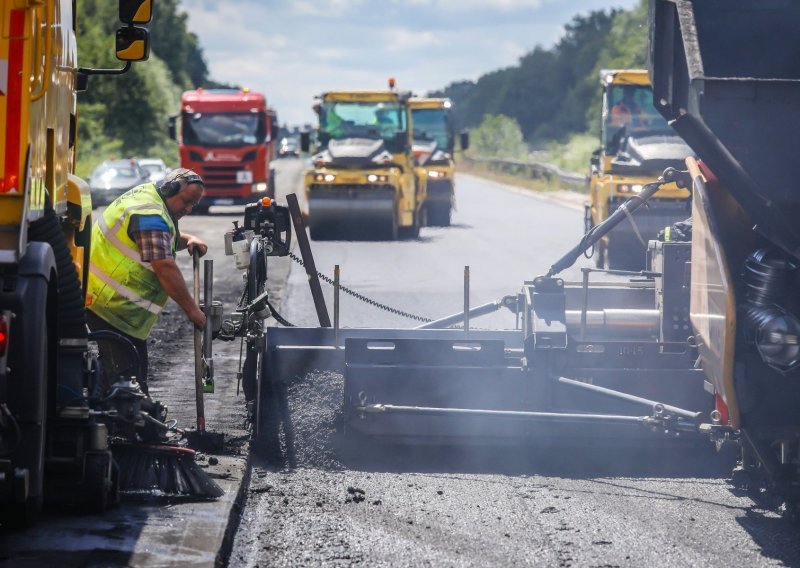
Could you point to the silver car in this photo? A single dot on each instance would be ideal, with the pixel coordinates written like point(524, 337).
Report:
point(112, 178)
point(155, 167)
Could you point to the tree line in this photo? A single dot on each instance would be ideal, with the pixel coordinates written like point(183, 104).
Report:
point(554, 93)
point(126, 115)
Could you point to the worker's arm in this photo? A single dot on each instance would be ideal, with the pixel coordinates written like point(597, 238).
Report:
point(171, 279)
point(187, 241)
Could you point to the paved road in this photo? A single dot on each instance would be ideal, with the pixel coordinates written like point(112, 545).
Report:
point(575, 507)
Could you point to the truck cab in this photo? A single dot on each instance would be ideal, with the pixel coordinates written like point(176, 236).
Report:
point(228, 138)
point(363, 176)
point(637, 144)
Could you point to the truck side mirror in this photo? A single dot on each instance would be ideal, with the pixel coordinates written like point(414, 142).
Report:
point(135, 11)
point(305, 141)
point(171, 129)
point(464, 140)
point(133, 44)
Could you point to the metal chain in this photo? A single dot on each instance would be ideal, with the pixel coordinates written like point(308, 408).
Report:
point(361, 297)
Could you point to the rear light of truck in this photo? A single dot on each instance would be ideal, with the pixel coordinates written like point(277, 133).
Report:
point(3, 335)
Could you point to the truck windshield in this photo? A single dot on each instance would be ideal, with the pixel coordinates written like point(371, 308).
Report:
point(384, 120)
point(224, 128)
point(631, 107)
point(432, 124)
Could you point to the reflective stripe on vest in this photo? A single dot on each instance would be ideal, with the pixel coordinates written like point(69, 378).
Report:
point(123, 290)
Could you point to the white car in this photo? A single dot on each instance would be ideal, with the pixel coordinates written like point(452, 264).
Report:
point(155, 167)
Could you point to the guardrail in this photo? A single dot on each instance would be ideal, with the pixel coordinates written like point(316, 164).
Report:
point(534, 170)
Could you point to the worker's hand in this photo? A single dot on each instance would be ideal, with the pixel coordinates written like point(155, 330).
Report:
point(193, 242)
point(198, 318)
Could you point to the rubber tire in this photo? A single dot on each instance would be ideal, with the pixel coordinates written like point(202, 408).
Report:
point(18, 515)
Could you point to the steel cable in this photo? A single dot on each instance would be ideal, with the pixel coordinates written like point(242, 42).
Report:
point(361, 297)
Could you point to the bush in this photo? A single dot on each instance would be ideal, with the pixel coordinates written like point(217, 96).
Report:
point(498, 136)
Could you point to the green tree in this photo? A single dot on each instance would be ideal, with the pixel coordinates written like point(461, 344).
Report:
point(498, 135)
point(554, 93)
point(126, 115)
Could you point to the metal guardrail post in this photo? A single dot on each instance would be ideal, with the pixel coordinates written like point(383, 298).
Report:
point(336, 274)
point(466, 300)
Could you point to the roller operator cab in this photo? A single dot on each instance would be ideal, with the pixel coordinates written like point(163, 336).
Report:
point(51, 444)
point(363, 180)
point(228, 137)
point(434, 144)
point(637, 144)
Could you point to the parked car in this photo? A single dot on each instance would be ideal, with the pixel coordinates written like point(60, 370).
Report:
point(112, 178)
point(155, 167)
point(289, 147)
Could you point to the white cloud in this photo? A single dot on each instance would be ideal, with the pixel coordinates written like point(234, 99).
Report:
point(401, 39)
point(323, 8)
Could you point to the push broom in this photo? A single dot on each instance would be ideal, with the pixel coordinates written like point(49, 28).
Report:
point(169, 469)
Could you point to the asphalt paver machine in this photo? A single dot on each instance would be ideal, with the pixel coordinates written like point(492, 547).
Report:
point(701, 344)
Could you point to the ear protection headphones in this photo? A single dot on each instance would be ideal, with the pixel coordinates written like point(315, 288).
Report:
point(172, 187)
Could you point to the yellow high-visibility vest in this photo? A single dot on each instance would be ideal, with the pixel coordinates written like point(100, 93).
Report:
point(122, 289)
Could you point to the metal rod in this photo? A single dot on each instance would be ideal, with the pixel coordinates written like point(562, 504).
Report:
point(466, 300)
point(481, 310)
point(587, 419)
point(308, 260)
point(585, 305)
point(646, 403)
point(198, 350)
point(208, 294)
point(336, 274)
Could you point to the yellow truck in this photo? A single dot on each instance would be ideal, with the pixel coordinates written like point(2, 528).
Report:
point(51, 443)
point(363, 180)
point(637, 145)
point(433, 146)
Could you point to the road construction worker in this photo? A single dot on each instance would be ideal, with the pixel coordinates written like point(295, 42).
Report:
point(627, 112)
point(132, 269)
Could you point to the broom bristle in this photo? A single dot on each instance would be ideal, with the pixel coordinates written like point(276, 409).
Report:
point(170, 470)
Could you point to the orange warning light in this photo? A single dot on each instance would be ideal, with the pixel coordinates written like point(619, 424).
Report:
point(266, 202)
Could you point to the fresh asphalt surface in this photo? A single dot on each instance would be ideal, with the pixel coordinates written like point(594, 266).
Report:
point(573, 507)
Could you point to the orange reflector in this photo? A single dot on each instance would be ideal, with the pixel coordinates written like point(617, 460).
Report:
point(266, 202)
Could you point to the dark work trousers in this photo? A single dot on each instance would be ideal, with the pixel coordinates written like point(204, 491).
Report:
point(116, 358)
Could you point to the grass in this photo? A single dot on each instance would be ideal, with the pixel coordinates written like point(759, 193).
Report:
point(485, 171)
point(572, 155)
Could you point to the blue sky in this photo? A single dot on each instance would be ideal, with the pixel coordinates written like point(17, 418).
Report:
point(293, 50)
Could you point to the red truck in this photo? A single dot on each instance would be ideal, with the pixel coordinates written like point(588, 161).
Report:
point(228, 137)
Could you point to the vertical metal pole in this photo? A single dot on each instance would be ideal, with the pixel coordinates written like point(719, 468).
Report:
point(336, 274)
point(585, 305)
point(198, 351)
point(308, 260)
point(208, 300)
point(466, 300)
